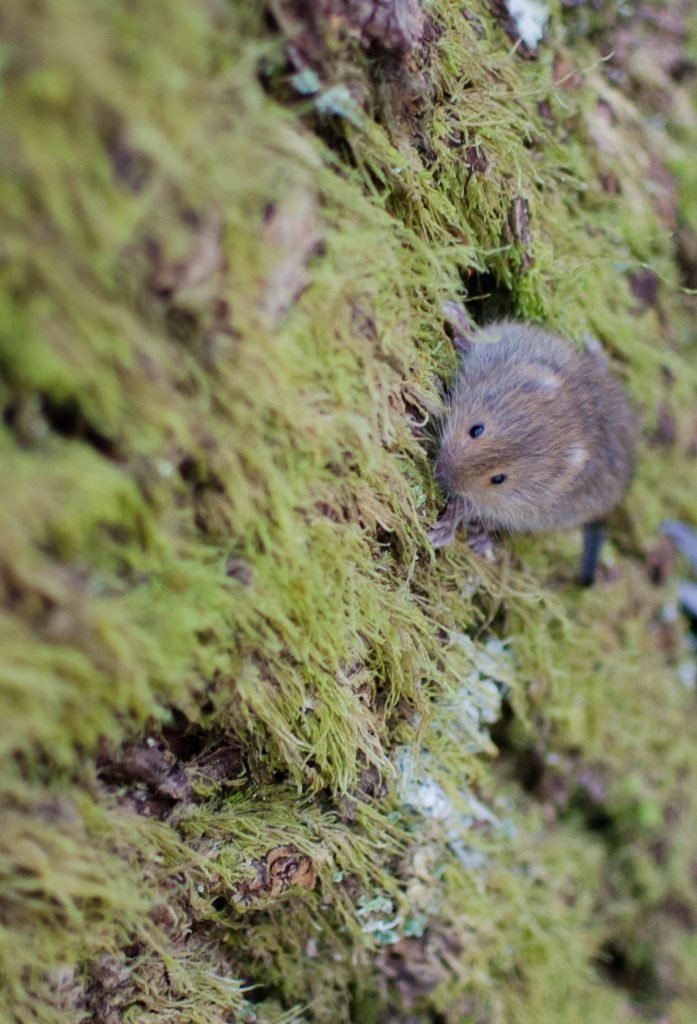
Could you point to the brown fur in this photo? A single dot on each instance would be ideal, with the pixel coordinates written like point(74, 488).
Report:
point(555, 423)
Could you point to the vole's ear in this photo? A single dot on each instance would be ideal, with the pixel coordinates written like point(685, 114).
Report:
point(541, 378)
point(595, 350)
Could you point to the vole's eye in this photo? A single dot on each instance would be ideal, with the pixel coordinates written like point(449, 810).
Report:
point(499, 478)
point(476, 430)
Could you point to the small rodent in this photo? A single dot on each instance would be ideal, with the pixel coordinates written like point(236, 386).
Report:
point(537, 436)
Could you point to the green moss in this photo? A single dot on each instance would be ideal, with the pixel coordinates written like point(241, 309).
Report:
point(221, 348)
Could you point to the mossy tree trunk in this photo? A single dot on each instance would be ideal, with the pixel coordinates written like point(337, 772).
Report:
point(266, 756)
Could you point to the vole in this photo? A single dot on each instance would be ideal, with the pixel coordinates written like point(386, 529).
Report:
point(538, 436)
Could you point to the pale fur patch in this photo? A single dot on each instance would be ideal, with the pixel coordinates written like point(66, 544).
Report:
point(547, 378)
point(577, 456)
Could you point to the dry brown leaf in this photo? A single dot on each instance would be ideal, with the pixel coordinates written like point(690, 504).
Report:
point(282, 867)
point(291, 234)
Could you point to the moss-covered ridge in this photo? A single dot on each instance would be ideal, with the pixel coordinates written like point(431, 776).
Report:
point(224, 257)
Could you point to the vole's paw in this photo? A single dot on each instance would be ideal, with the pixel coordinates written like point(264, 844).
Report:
point(480, 541)
point(442, 533)
point(462, 325)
